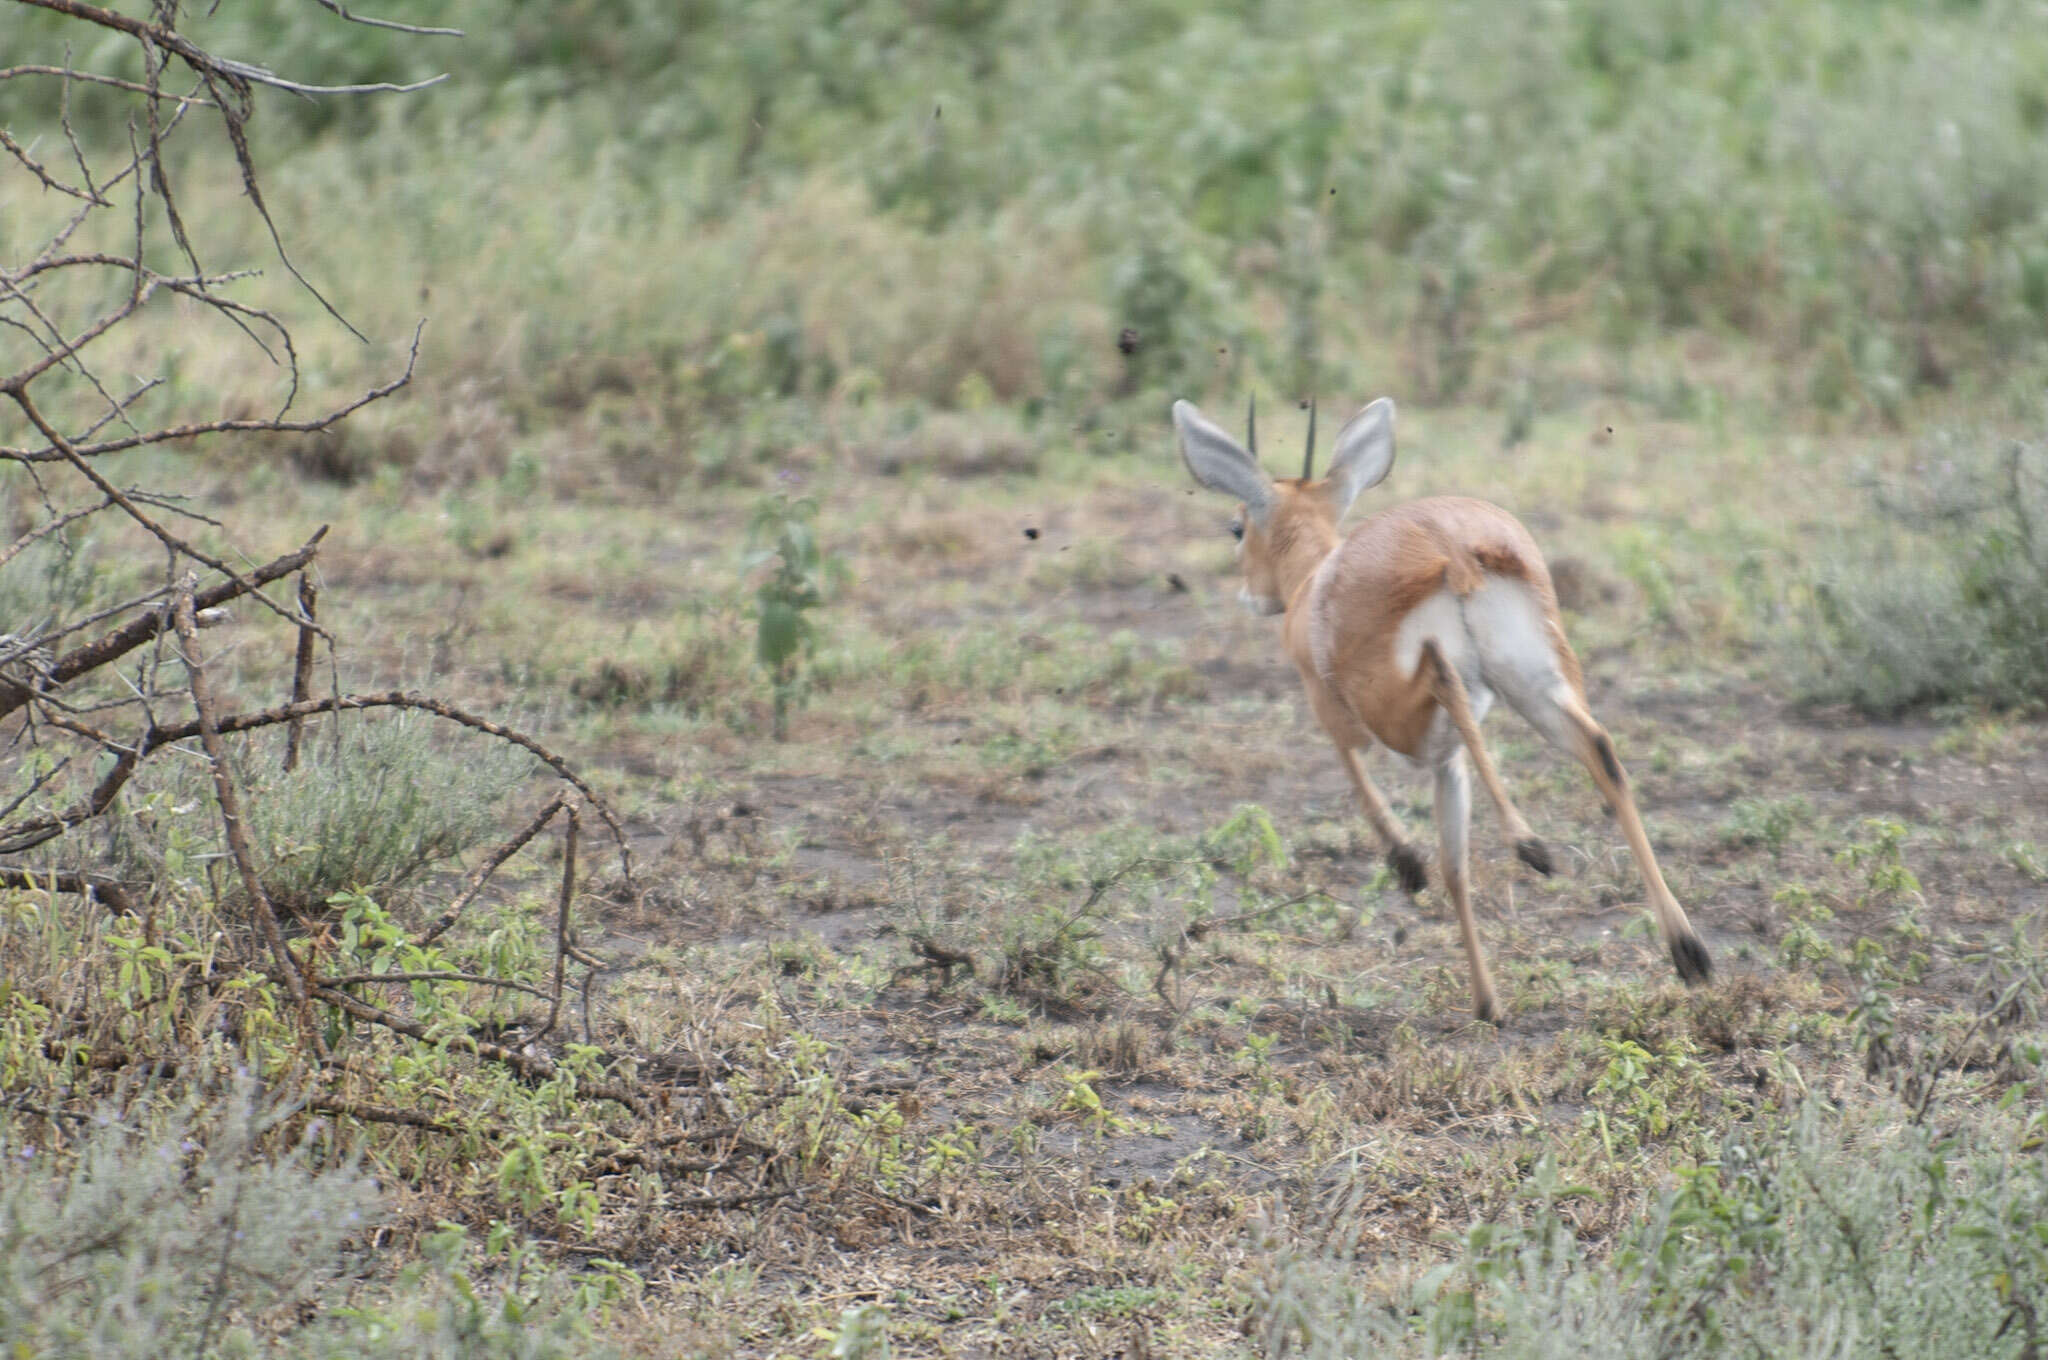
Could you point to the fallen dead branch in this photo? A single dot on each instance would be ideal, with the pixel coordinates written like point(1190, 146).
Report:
point(117, 896)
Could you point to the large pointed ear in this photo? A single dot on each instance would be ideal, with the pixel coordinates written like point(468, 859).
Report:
point(1220, 462)
point(1365, 451)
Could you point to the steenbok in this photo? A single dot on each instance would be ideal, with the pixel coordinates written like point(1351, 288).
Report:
point(1404, 631)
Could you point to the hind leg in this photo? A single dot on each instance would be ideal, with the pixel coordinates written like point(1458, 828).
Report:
point(1453, 821)
point(1560, 715)
point(1449, 691)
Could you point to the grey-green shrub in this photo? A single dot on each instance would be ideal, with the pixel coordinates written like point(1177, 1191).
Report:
point(386, 800)
point(1830, 1237)
point(396, 796)
point(154, 1232)
point(1949, 601)
point(162, 1236)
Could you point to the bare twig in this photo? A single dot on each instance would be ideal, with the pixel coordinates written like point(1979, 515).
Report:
point(93, 78)
point(79, 625)
point(262, 76)
point(365, 20)
point(31, 834)
point(1171, 954)
point(733, 1201)
point(49, 453)
point(35, 167)
point(1197, 929)
point(378, 1114)
point(33, 785)
point(480, 979)
point(481, 874)
point(112, 646)
point(568, 899)
point(158, 737)
point(119, 497)
point(627, 1159)
point(46, 528)
point(238, 74)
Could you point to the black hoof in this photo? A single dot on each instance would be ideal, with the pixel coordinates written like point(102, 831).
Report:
point(1408, 868)
point(1489, 1013)
point(1536, 855)
point(1690, 958)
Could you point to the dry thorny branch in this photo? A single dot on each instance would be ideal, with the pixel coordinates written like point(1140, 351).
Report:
point(96, 683)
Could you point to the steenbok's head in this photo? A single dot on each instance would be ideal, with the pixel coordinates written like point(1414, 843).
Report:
point(1277, 519)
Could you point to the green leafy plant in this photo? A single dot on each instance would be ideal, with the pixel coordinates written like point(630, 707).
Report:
point(1882, 860)
point(1766, 822)
point(1802, 943)
point(1641, 1094)
point(1083, 1101)
point(863, 1334)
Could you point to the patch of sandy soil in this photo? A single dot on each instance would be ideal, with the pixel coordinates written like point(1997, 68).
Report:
point(1696, 754)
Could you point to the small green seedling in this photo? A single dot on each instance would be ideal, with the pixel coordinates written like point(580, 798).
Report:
point(785, 636)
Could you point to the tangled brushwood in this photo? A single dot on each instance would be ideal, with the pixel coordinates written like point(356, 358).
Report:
point(211, 869)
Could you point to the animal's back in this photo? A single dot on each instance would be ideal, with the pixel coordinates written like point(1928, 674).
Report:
point(1422, 570)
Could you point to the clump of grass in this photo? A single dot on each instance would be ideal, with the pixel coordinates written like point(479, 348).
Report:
point(374, 806)
point(698, 663)
point(1951, 604)
point(1822, 1236)
point(1076, 918)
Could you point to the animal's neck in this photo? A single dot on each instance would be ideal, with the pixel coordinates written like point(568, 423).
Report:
point(1298, 553)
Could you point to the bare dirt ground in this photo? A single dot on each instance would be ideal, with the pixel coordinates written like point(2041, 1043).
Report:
point(1025, 1149)
point(1188, 1119)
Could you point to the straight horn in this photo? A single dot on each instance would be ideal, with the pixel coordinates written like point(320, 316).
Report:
point(1251, 426)
point(1308, 458)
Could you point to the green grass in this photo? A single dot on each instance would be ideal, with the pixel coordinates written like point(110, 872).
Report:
point(663, 224)
point(1822, 1235)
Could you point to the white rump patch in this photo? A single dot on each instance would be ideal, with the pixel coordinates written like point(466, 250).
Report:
point(1513, 637)
point(1499, 642)
point(1440, 617)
